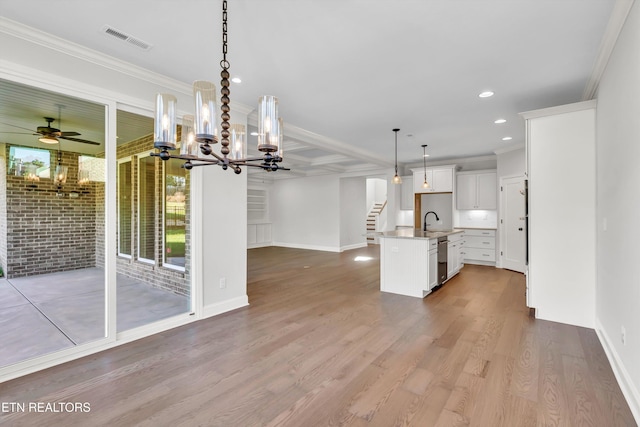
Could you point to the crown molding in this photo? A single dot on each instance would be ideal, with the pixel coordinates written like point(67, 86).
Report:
point(560, 109)
point(616, 21)
point(49, 41)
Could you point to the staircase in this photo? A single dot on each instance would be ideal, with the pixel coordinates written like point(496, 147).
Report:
point(372, 220)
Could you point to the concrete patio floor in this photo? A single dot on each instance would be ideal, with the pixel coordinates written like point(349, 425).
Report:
point(50, 312)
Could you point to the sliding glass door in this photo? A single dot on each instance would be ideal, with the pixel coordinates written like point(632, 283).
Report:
point(52, 222)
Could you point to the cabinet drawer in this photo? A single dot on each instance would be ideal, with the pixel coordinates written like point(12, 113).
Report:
point(479, 232)
point(479, 254)
point(480, 242)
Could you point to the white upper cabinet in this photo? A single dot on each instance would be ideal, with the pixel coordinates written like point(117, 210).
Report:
point(476, 190)
point(406, 200)
point(440, 179)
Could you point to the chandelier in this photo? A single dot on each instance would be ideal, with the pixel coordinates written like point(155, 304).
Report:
point(200, 132)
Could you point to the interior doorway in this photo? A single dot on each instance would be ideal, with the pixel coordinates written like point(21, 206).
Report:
point(513, 224)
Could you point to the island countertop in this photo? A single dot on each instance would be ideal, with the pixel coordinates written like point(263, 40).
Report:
point(415, 233)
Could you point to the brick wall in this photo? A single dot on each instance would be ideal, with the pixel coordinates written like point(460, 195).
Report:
point(155, 274)
point(46, 233)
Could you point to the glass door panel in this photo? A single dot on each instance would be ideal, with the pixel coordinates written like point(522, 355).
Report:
point(153, 278)
point(52, 216)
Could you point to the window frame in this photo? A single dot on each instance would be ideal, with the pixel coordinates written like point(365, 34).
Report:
point(138, 236)
point(164, 217)
point(129, 160)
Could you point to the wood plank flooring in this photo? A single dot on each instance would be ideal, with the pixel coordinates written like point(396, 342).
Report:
point(320, 345)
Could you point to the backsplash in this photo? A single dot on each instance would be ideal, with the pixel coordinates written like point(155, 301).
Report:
point(476, 219)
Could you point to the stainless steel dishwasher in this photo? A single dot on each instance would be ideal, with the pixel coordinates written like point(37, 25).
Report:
point(443, 243)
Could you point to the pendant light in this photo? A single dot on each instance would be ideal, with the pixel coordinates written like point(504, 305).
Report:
point(425, 184)
point(396, 178)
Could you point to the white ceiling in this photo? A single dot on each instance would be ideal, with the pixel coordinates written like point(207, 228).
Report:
point(347, 72)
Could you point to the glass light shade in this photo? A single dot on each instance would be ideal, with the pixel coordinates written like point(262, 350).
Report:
point(268, 124)
point(281, 141)
point(425, 184)
point(31, 173)
point(60, 176)
point(188, 143)
point(396, 179)
point(204, 93)
point(48, 140)
point(83, 177)
point(237, 143)
point(164, 130)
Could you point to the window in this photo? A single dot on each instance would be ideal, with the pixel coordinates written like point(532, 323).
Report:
point(146, 207)
point(124, 207)
point(23, 160)
point(175, 182)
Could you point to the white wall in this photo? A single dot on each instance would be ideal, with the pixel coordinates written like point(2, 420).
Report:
point(306, 212)
point(618, 199)
point(376, 191)
point(224, 239)
point(511, 163)
point(353, 212)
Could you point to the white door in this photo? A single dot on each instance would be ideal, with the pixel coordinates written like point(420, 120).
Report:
point(512, 225)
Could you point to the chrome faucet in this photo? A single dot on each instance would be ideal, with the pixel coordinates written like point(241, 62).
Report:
point(424, 227)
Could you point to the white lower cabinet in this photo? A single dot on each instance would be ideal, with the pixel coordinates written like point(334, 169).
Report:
point(454, 249)
point(433, 263)
point(479, 246)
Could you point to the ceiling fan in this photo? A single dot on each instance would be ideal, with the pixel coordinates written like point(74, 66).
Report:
point(50, 135)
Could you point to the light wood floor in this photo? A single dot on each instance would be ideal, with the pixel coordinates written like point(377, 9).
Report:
point(320, 345)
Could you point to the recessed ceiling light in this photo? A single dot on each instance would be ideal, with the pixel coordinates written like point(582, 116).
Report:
point(500, 121)
point(486, 94)
point(236, 80)
point(507, 138)
point(254, 133)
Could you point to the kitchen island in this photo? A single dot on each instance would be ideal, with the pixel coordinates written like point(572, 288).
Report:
point(409, 260)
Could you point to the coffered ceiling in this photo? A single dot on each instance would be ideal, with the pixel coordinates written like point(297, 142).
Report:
point(347, 72)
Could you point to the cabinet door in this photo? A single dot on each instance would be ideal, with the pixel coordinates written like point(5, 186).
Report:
point(406, 201)
point(442, 180)
point(433, 269)
point(451, 259)
point(466, 191)
point(486, 188)
point(418, 180)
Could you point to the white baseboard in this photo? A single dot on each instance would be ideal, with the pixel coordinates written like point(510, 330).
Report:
point(355, 246)
point(259, 245)
point(622, 375)
point(310, 247)
point(224, 306)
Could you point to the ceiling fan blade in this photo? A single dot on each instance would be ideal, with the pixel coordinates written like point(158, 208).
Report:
point(84, 141)
point(69, 134)
point(19, 127)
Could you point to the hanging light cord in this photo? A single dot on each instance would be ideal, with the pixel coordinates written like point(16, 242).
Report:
point(396, 132)
point(424, 161)
point(224, 83)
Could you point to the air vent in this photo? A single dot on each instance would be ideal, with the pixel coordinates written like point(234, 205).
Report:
point(121, 35)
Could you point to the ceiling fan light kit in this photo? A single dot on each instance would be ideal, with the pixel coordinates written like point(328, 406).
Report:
point(200, 132)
